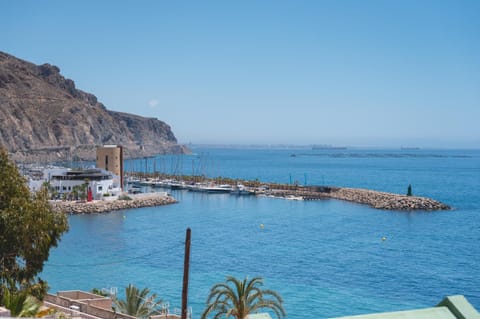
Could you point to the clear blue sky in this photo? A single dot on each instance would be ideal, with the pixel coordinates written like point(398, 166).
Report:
point(357, 73)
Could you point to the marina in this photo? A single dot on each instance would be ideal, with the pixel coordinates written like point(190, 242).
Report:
point(326, 257)
point(375, 199)
point(322, 159)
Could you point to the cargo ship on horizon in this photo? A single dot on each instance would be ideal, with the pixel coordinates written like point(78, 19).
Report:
point(328, 147)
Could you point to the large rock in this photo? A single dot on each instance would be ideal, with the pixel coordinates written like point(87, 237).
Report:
point(43, 114)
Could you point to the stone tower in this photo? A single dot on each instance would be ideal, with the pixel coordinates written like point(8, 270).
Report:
point(110, 158)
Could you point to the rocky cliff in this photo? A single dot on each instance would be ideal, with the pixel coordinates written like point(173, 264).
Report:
point(43, 115)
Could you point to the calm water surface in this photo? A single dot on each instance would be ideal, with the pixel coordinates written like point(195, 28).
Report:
point(326, 258)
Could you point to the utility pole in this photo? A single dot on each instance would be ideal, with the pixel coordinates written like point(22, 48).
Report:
point(186, 267)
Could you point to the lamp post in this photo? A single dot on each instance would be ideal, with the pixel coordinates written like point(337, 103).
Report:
point(165, 308)
point(186, 267)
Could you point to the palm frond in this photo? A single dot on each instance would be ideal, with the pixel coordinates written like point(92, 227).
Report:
point(138, 303)
point(238, 298)
point(30, 307)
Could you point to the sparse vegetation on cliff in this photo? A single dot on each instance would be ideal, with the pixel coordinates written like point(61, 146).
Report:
point(45, 117)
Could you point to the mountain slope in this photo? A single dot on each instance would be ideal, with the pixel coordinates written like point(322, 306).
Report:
point(41, 111)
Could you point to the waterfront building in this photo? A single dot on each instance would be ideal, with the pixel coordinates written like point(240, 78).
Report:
point(86, 305)
point(110, 158)
point(64, 181)
point(39, 175)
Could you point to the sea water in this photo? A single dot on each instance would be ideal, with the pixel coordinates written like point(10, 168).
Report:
point(326, 258)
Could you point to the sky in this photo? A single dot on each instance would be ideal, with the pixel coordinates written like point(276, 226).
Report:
point(346, 73)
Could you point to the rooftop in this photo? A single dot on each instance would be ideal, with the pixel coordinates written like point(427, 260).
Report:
point(452, 307)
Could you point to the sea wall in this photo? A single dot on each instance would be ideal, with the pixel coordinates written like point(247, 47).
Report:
point(388, 201)
point(102, 206)
point(375, 199)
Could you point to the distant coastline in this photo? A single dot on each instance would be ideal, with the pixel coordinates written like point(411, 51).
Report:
point(287, 146)
point(328, 147)
point(279, 146)
point(407, 148)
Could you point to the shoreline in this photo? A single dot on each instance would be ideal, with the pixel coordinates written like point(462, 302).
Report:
point(372, 198)
point(104, 206)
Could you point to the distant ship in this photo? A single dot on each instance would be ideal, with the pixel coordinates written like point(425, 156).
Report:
point(328, 147)
point(409, 148)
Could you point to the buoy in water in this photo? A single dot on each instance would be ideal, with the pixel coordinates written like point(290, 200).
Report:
point(262, 226)
point(384, 238)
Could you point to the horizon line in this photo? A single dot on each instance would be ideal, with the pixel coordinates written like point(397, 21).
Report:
point(327, 146)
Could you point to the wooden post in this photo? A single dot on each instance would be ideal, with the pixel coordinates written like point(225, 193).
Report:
point(186, 267)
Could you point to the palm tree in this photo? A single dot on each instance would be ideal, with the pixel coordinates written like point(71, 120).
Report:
point(137, 303)
point(21, 304)
point(238, 299)
point(31, 307)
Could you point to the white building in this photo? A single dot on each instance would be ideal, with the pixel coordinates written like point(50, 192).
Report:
point(102, 183)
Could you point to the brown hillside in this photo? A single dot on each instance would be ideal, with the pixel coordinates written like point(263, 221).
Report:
point(43, 114)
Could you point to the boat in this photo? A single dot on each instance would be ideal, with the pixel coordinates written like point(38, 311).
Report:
point(195, 187)
point(213, 188)
point(241, 190)
point(159, 184)
point(132, 180)
point(146, 182)
point(328, 147)
point(177, 185)
point(293, 197)
point(134, 190)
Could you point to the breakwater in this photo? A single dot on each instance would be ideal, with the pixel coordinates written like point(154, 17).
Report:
point(383, 200)
point(375, 199)
point(102, 206)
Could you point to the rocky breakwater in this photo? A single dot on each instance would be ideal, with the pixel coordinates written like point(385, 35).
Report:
point(388, 201)
point(102, 206)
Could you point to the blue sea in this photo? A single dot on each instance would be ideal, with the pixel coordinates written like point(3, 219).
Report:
point(326, 258)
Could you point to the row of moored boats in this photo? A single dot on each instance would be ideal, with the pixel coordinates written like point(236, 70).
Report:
point(206, 187)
